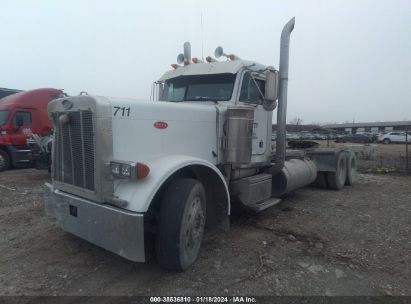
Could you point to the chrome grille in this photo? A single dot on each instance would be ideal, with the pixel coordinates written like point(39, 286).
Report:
point(74, 143)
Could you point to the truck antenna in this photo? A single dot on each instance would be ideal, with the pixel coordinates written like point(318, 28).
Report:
point(202, 37)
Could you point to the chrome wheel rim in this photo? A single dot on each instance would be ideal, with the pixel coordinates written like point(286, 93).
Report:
point(194, 226)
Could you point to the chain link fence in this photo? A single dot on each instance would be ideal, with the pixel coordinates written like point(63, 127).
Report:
point(385, 161)
point(379, 157)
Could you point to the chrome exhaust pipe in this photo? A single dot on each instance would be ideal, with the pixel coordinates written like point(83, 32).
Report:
point(282, 96)
point(187, 53)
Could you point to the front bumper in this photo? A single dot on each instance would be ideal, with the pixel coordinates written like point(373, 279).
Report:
point(113, 229)
point(19, 156)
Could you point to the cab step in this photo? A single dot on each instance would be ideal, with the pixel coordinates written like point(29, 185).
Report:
point(254, 192)
point(260, 206)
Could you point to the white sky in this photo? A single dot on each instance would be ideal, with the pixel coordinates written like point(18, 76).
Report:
point(349, 60)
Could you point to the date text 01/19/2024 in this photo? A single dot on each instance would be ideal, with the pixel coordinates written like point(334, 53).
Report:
point(203, 299)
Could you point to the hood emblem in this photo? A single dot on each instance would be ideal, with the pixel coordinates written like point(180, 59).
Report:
point(160, 125)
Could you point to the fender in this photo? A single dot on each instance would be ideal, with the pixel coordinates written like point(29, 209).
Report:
point(139, 194)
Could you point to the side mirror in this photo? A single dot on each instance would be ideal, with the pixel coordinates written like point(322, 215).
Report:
point(19, 122)
point(271, 89)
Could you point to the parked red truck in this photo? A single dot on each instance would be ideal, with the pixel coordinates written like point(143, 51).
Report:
point(21, 115)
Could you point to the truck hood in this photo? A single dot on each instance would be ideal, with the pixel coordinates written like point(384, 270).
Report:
point(143, 131)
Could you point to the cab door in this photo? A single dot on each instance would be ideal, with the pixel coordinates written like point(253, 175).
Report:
point(22, 125)
point(252, 93)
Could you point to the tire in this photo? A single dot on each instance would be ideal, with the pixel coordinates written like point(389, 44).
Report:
point(181, 224)
point(351, 170)
point(336, 180)
point(386, 141)
point(4, 160)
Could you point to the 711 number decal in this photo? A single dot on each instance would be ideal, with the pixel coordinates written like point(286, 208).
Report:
point(121, 111)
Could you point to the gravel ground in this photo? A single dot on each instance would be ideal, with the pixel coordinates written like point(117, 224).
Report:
point(316, 242)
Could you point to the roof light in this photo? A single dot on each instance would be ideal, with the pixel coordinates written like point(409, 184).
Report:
point(233, 57)
point(210, 59)
point(196, 60)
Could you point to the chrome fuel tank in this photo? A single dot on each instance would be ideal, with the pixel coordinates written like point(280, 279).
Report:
point(238, 134)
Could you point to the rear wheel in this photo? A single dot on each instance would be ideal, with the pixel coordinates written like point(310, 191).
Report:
point(4, 160)
point(181, 224)
point(336, 180)
point(386, 141)
point(351, 169)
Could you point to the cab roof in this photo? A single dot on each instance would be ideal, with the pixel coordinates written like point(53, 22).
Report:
point(29, 97)
point(206, 68)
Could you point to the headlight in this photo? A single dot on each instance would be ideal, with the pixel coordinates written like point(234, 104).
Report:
point(131, 170)
point(126, 170)
point(116, 168)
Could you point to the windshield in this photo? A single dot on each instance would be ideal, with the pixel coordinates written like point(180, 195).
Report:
point(199, 88)
point(3, 116)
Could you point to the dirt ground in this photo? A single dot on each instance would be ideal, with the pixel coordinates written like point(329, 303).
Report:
point(316, 242)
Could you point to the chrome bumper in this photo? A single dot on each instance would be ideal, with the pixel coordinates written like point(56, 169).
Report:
point(113, 229)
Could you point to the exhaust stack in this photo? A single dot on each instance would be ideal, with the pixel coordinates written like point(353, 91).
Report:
point(184, 58)
point(282, 96)
point(187, 53)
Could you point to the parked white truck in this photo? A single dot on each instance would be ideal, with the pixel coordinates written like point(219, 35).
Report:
point(125, 171)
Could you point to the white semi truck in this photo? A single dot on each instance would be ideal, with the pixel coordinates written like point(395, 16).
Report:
point(130, 174)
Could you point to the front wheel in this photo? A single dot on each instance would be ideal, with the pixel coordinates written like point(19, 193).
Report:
point(181, 224)
point(4, 160)
point(386, 141)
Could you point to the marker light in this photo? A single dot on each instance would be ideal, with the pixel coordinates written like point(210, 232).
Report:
point(174, 66)
point(142, 170)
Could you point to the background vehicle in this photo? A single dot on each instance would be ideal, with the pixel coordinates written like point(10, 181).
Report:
point(307, 136)
point(395, 137)
point(353, 138)
point(41, 148)
point(21, 115)
point(292, 136)
point(127, 173)
point(319, 136)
